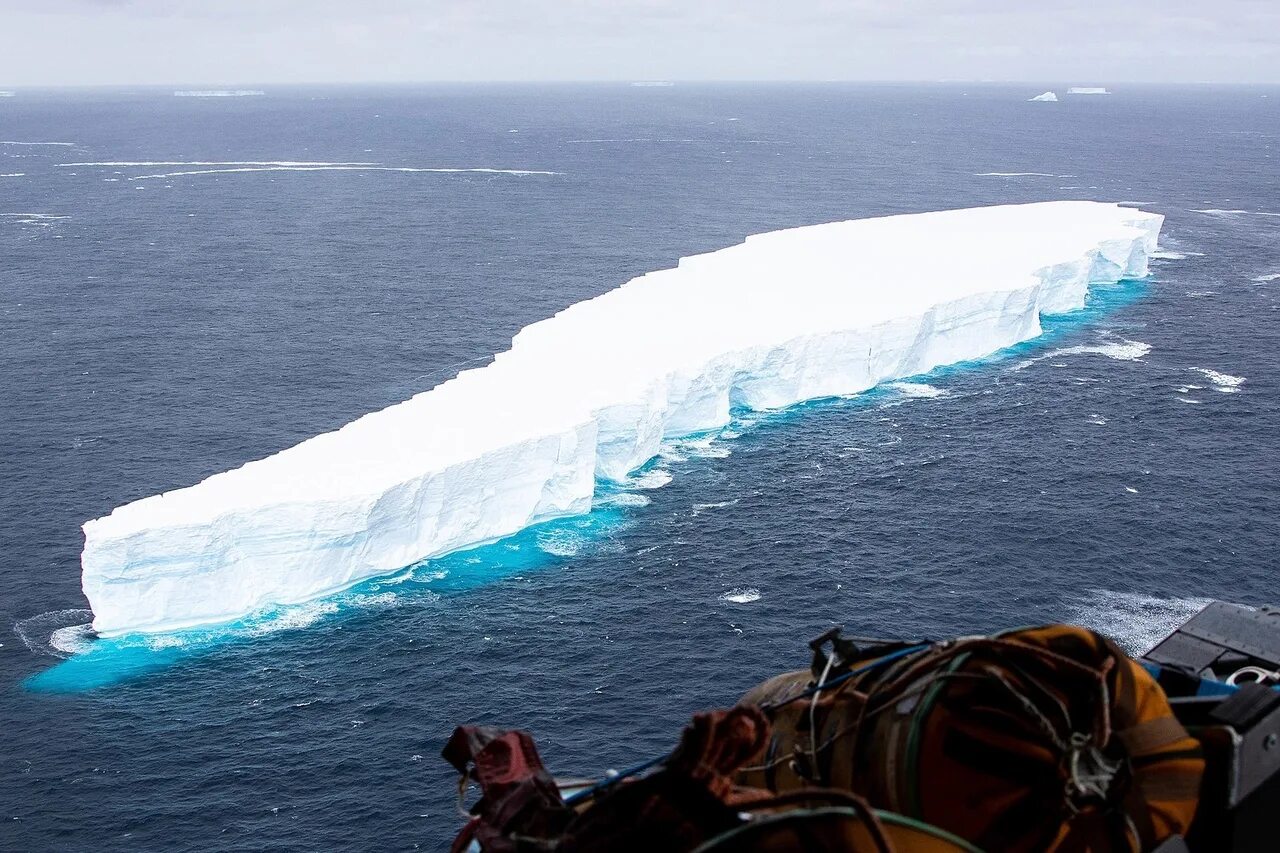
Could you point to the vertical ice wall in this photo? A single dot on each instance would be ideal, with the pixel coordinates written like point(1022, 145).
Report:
point(590, 393)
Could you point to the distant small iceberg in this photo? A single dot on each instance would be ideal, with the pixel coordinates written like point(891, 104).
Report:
point(1047, 97)
point(652, 83)
point(7, 94)
point(1088, 90)
point(217, 93)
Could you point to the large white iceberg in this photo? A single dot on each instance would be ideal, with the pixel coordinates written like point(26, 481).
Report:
point(590, 393)
point(1049, 97)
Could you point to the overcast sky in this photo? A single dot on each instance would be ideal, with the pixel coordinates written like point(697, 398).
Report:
point(83, 42)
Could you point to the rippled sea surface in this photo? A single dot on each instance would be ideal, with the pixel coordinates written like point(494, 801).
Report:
point(165, 321)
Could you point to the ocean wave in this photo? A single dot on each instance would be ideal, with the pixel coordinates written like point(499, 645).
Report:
point(13, 175)
point(741, 595)
point(241, 169)
point(699, 509)
point(1135, 621)
point(218, 93)
point(652, 478)
point(288, 618)
point(1224, 382)
point(627, 499)
point(560, 542)
point(1263, 279)
point(222, 163)
point(59, 633)
point(1231, 214)
point(918, 390)
point(1122, 350)
point(1019, 175)
point(15, 142)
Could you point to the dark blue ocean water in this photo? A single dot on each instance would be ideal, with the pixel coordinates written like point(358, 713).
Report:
point(156, 330)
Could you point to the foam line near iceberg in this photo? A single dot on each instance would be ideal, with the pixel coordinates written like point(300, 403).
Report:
point(590, 394)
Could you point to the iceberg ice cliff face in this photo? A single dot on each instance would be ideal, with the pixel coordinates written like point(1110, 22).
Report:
point(590, 393)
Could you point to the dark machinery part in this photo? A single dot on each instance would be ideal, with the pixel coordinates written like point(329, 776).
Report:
point(1221, 670)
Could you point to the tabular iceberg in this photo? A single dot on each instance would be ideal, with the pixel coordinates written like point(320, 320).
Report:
point(590, 393)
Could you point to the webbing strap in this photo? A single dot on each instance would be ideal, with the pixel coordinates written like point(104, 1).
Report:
point(1150, 735)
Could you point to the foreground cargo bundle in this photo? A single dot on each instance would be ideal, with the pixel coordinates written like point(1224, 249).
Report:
point(1039, 739)
point(589, 395)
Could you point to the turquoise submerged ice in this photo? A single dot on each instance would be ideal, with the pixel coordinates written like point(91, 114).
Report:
point(590, 394)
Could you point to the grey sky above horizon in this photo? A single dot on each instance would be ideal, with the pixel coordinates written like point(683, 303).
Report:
point(229, 42)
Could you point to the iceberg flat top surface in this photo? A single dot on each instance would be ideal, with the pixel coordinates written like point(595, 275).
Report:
point(771, 287)
point(781, 317)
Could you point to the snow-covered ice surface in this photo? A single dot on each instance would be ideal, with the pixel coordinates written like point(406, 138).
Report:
point(590, 394)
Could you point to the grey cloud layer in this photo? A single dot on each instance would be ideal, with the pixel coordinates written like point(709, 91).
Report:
point(52, 42)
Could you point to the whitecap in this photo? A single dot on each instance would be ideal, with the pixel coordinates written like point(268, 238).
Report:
point(293, 617)
point(60, 633)
point(13, 175)
point(1137, 622)
point(218, 93)
point(1121, 350)
point(741, 595)
point(242, 169)
point(223, 163)
point(560, 543)
point(919, 390)
point(1200, 294)
point(1263, 279)
point(1018, 175)
point(13, 142)
point(698, 509)
point(1169, 255)
point(629, 499)
point(1224, 382)
point(653, 478)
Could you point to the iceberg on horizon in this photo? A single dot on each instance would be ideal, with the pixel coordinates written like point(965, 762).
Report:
point(1088, 90)
point(590, 394)
point(1047, 97)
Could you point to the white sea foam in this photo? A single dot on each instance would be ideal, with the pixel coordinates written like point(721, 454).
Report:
point(1200, 294)
point(292, 617)
point(560, 543)
point(1224, 382)
point(1231, 214)
point(653, 478)
point(741, 595)
point(595, 393)
point(1122, 350)
point(239, 169)
point(13, 142)
point(1263, 279)
point(1016, 175)
point(629, 499)
point(699, 509)
point(60, 633)
point(1169, 255)
point(222, 163)
point(218, 93)
point(13, 175)
point(1137, 622)
point(917, 390)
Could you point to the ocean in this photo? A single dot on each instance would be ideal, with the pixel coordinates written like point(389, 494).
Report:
point(190, 283)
